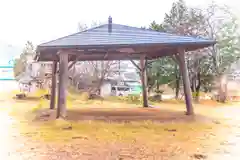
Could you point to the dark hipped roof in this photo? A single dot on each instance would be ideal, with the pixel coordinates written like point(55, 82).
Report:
point(121, 36)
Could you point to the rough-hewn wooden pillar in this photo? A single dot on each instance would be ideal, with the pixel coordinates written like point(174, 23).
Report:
point(62, 85)
point(143, 69)
point(186, 81)
point(53, 86)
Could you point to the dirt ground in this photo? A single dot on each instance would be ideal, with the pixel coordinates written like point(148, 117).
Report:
point(214, 134)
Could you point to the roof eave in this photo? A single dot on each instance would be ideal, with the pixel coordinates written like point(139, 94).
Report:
point(58, 47)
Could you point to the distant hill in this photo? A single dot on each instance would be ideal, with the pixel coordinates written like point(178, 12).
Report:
point(8, 52)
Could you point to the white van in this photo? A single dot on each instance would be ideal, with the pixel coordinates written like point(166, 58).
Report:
point(120, 90)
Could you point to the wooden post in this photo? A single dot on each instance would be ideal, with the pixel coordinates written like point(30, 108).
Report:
point(62, 85)
point(186, 81)
point(53, 87)
point(144, 80)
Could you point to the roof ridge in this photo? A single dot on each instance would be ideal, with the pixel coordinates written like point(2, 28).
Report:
point(90, 29)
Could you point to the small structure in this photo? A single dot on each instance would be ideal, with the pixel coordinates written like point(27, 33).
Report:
point(37, 75)
point(117, 42)
point(25, 81)
point(6, 73)
point(40, 69)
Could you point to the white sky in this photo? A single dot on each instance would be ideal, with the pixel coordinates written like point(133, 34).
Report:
point(43, 20)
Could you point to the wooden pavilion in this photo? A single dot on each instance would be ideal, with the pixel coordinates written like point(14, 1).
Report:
point(117, 42)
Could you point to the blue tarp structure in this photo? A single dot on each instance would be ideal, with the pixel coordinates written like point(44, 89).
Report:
point(8, 54)
point(6, 73)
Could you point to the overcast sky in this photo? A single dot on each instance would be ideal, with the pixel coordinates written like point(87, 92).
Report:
point(43, 20)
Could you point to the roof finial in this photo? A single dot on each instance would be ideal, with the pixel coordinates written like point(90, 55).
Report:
point(109, 24)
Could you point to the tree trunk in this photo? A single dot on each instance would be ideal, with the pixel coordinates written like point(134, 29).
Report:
point(99, 85)
point(223, 89)
point(197, 96)
point(177, 88)
point(193, 85)
point(158, 84)
point(178, 78)
point(198, 86)
point(194, 88)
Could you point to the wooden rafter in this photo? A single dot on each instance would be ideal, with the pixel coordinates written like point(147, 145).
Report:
point(72, 63)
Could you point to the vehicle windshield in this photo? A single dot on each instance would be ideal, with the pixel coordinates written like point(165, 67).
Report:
point(123, 88)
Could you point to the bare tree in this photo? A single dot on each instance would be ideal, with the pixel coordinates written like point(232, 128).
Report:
point(83, 27)
point(90, 75)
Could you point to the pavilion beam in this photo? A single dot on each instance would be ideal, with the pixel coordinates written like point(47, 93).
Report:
point(135, 65)
point(54, 84)
point(175, 59)
point(72, 63)
point(143, 74)
point(186, 82)
point(62, 85)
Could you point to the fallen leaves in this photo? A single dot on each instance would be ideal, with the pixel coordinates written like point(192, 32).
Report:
point(199, 156)
point(170, 130)
point(124, 139)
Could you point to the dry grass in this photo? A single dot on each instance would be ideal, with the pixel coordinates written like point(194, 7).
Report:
point(165, 131)
point(112, 115)
point(147, 132)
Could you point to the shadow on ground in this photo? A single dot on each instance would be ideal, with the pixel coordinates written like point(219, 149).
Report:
point(27, 99)
point(123, 115)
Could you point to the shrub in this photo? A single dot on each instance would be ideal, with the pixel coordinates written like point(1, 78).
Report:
point(70, 97)
point(157, 91)
point(133, 98)
point(136, 99)
point(41, 92)
point(94, 96)
point(20, 96)
point(42, 103)
point(155, 98)
point(84, 96)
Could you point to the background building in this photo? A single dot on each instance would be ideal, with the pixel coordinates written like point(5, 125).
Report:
point(8, 54)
